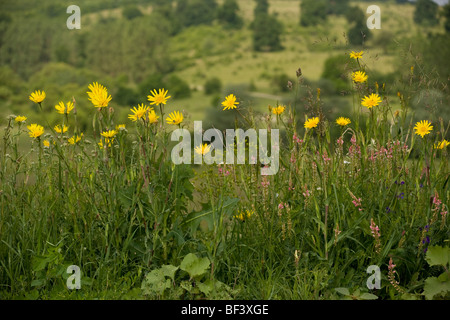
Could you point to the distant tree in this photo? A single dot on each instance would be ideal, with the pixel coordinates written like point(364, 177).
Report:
point(178, 87)
point(130, 12)
point(266, 29)
point(426, 12)
point(126, 96)
point(337, 7)
point(262, 7)
point(195, 12)
point(213, 85)
point(228, 14)
point(335, 70)
point(313, 12)
point(446, 14)
point(359, 32)
point(266, 33)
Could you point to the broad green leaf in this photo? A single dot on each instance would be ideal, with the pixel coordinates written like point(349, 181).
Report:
point(343, 291)
point(438, 256)
point(37, 283)
point(194, 266)
point(169, 271)
point(434, 287)
point(368, 296)
point(206, 287)
point(155, 282)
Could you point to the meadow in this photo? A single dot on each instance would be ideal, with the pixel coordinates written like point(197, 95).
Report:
point(363, 180)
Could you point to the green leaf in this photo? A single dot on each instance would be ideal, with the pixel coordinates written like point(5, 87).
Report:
point(37, 283)
point(434, 287)
point(155, 283)
point(368, 296)
point(39, 263)
point(194, 266)
point(437, 255)
point(206, 287)
point(169, 271)
point(343, 291)
point(444, 277)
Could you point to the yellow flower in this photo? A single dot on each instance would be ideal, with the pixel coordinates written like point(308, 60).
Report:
point(100, 144)
point(175, 117)
point(343, 121)
point(98, 95)
point(109, 137)
point(202, 149)
point(230, 102)
point(138, 112)
point(37, 96)
point(152, 117)
point(441, 145)
point(109, 133)
point(75, 139)
point(46, 143)
point(20, 119)
point(359, 76)
point(312, 123)
point(35, 130)
point(423, 128)
point(158, 97)
point(371, 101)
point(356, 55)
point(58, 128)
point(60, 108)
point(120, 127)
point(278, 110)
point(243, 215)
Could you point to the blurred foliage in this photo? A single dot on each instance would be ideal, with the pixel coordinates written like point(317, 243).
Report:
point(313, 12)
point(213, 85)
point(426, 12)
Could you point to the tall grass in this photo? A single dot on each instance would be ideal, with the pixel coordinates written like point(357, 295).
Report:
point(121, 209)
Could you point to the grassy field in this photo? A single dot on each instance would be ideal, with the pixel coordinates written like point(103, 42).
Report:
point(372, 190)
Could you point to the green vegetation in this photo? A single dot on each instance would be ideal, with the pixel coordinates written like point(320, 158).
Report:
point(371, 192)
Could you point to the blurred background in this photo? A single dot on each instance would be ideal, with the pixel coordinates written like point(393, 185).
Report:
point(201, 50)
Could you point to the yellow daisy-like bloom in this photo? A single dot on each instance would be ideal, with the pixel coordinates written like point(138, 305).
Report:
point(343, 121)
point(356, 55)
point(46, 143)
point(278, 110)
point(139, 112)
point(62, 109)
point(312, 123)
point(202, 149)
point(98, 95)
point(359, 76)
point(109, 137)
point(109, 133)
point(58, 128)
point(20, 119)
point(152, 117)
point(371, 101)
point(37, 96)
point(35, 130)
point(441, 145)
point(230, 102)
point(158, 97)
point(175, 117)
point(423, 128)
point(243, 215)
point(75, 139)
point(120, 127)
point(100, 144)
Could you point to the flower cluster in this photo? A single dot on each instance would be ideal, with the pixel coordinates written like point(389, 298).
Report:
point(376, 235)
